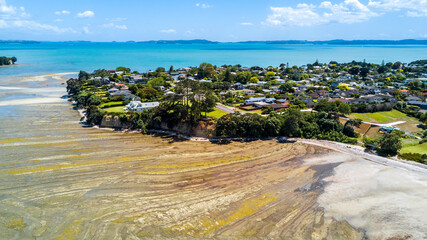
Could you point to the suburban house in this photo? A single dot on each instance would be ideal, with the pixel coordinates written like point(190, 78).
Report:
point(139, 106)
point(248, 91)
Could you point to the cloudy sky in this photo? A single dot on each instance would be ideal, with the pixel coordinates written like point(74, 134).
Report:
point(218, 20)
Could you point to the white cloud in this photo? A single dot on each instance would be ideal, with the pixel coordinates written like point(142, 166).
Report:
point(38, 26)
point(5, 9)
point(59, 20)
point(86, 14)
point(303, 15)
point(203, 5)
point(117, 26)
point(415, 8)
point(168, 31)
point(17, 18)
point(63, 12)
point(86, 30)
point(246, 24)
point(8, 12)
point(348, 11)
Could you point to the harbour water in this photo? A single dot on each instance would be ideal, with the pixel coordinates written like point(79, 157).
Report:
point(52, 57)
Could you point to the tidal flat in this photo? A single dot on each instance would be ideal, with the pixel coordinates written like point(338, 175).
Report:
point(62, 180)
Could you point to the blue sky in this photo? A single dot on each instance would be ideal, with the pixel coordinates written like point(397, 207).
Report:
point(217, 20)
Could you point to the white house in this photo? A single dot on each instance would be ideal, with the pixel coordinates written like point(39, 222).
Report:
point(113, 90)
point(253, 100)
point(139, 106)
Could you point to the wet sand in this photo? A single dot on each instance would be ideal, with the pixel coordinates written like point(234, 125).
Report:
point(61, 180)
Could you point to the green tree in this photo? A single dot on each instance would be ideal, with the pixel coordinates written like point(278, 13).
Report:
point(287, 87)
point(389, 144)
point(253, 80)
point(209, 101)
point(123, 69)
point(156, 82)
point(160, 70)
point(344, 108)
point(83, 76)
point(148, 93)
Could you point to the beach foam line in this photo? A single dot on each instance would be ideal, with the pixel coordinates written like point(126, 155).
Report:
point(40, 78)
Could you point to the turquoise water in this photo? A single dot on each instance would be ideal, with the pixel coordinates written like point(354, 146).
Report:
point(51, 57)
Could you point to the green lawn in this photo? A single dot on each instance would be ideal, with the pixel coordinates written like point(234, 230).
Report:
point(415, 148)
point(111, 104)
point(382, 117)
point(118, 109)
point(216, 113)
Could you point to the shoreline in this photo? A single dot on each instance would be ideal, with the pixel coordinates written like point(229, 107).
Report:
point(335, 146)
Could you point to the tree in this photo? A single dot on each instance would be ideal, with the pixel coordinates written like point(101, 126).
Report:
point(270, 75)
point(209, 101)
point(389, 144)
point(83, 76)
point(253, 80)
point(243, 77)
point(94, 100)
point(205, 70)
point(364, 72)
point(354, 70)
point(148, 93)
point(14, 59)
point(123, 69)
point(325, 106)
point(156, 82)
point(171, 69)
point(160, 70)
point(344, 108)
point(287, 87)
point(343, 87)
point(227, 76)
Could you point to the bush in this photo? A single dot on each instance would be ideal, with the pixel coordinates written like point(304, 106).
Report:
point(416, 157)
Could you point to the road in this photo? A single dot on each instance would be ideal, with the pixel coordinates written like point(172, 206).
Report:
point(224, 108)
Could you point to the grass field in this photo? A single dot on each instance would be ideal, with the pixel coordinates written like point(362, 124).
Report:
point(382, 117)
point(216, 113)
point(118, 109)
point(411, 124)
point(111, 104)
point(415, 148)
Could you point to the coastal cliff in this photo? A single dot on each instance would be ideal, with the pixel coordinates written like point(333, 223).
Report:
point(201, 129)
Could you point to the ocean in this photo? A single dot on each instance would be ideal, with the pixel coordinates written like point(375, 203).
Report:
point(58, 57)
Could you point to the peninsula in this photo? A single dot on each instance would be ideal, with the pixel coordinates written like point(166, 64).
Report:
point(381, 107)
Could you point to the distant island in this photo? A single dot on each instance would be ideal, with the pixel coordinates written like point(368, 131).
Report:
point(4, 61)
point(301, 42)
point(288, 42)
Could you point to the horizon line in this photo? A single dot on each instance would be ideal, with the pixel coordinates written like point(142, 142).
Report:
point(213, 41)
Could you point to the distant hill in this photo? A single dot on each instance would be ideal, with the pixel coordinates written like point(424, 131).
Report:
point(18, 42)
point(347, 42)
point(300, 42)
point(330, 42)
point(194, 41)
